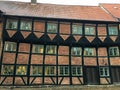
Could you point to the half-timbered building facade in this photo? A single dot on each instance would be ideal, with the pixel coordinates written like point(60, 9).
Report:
point(47, 44)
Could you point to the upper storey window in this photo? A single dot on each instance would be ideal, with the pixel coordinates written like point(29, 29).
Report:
point(89, 51)
point(51, 27)
point(11, 24)
point(89, 30)
point(113, 51)
point(26, 25)
point(113, 30)
point(38, 48)
point(76, 29)
point(51, 49)
point(10, 46)
point(76, 51)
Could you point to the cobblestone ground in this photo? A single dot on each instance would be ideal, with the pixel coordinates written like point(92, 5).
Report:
point(100, 87)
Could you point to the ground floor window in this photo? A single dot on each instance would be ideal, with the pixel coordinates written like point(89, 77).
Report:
point(21, 70)
point(7, 69)
point(104, 71)
point(49, 70)
point(36, 70)
point(76, 70)
point(64, 70)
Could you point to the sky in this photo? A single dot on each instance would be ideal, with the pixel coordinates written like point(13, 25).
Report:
point(72, 2)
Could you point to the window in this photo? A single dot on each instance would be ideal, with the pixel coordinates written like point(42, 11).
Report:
point(51, 49)
point(76, 51)
point(49, 70)
point(21, 70)
point(76, 70)
point(26, 25)
point(104, 71)
point(89, 30)
point(10, 46)
point(38, 49)
point(36, 70)
point(51, 27)
point(89, 52)
point(113, 30)
point(113, 51)
point(64, 70)
point(7, 69)
point(11, 24)
point(76, 29)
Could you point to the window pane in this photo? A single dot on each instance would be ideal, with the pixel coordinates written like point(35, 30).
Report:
point(49, 70)
point(51, 27)
point(89, 30)
point(104, 71)
point(26, 25)
point(38, 49)
point(11, 24)
point(76, 51)
point(76, 70)
point(10, 46)
point(89, 52)
point(113, 30)
point(51, 49)
point(36, 70)
point(113, 51)
point(77, 29)
point(64, 70)
point(7, 70)
point(21, 70)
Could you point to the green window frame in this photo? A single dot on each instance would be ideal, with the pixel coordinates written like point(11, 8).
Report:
point(113, 51)
point(51, 27)
point(10, 46)
point(76, 51)
point(38, 49)
point(12, 24)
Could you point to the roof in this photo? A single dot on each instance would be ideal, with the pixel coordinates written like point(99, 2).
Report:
point(55, 11)
point(113, 9)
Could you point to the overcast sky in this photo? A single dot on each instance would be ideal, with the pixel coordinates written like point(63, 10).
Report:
point(73, 2)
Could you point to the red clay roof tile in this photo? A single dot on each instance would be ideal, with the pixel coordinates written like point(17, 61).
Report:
point(113, 9)
point(55, 11)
